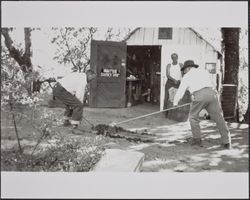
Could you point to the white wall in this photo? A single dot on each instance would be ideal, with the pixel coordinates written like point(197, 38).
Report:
point(185, 52)
point(185, 42)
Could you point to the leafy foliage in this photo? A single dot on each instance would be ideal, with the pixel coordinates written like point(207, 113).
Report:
point(73, 44)
point(52, 150)
point(243, 73)
point(243, 92)
point(20, 55)
point(66, 155)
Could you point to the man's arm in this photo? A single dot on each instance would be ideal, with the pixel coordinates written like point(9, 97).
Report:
point(180, 92)
point(181, 65)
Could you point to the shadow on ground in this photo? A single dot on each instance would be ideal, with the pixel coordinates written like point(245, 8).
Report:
point(170, 151)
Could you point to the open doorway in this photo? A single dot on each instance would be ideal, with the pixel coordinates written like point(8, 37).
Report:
point(143, 75)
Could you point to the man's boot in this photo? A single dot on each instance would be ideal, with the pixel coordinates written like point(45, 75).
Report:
point(227, 146)
point(66, 123)
point(76, 130)
point(196, 142)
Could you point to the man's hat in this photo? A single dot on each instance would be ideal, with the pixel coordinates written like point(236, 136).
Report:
point(189, 63)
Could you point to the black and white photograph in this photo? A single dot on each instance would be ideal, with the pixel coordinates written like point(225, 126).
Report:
point(90, 99)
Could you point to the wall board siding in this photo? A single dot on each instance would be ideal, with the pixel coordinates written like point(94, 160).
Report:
point(185, 42)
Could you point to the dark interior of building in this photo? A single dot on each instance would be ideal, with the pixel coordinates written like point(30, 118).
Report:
point(143, 71)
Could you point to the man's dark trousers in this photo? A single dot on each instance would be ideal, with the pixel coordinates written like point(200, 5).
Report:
point(74, 108)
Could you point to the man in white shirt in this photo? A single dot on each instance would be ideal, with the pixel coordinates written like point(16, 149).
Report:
point(204, 96)
point(70, 90)
point(174, 76)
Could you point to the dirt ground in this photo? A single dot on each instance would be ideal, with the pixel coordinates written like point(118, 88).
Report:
point(170, 151)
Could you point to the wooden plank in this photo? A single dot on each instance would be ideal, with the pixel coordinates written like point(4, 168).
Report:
point(109, 95)
point(228, 98)
point(148, 36)
point(228, 114)
point(139, 37)
point(229, 88)
point(227, 106)
point(177, 37)
point(155, 38)
point(227, 109)
point(227, 92)
point(117, 160)
point(228, 102)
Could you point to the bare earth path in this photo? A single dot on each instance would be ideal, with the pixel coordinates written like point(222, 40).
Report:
point(170, 151)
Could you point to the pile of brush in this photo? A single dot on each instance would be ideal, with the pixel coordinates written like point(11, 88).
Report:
point(119, 132)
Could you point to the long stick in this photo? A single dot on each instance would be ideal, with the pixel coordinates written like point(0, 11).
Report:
point(15, 126)
point(142, 116)
point(88, 121)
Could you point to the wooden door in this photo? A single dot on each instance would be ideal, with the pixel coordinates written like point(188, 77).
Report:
point(108, 60)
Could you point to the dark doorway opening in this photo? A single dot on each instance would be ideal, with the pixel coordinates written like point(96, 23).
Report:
point(143, 74)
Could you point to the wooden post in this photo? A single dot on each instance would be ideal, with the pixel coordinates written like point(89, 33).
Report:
point(129, 103)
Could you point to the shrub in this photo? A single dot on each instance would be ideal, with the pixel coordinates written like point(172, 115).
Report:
point(68, 155)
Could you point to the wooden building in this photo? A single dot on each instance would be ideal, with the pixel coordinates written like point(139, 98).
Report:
point(138, 64)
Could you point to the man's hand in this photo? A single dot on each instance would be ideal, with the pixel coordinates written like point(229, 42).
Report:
point(51, 80)
point(175, 103)
point(112, 124)
point(176, 82)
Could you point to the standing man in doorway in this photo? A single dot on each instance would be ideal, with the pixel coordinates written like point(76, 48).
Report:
point(204, 96)
point(174, 76)
point(70, 90)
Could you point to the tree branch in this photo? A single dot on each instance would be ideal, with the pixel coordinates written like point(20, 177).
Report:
point(24, 60)
point(67, 45)
point(14, 53)
point(27, 35)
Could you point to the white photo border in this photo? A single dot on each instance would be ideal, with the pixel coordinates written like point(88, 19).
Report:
point(127, 14)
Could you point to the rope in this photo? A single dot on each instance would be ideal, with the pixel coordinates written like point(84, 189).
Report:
point(142, 116)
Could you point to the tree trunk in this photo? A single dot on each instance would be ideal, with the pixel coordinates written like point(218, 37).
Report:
point(231, 49)
point(23, 59)
point(27, 54)
point(246, 116)
point(230, 45)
